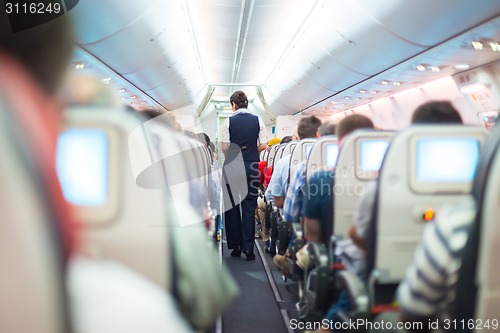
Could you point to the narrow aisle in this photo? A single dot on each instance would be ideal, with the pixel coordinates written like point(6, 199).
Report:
point(255, 309)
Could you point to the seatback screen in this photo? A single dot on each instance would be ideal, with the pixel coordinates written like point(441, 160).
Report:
point(82, 166)
point(448, 160)
point(372, 154)
point(331, 154)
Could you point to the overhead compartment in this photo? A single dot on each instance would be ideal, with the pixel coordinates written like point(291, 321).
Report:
point(429, 22)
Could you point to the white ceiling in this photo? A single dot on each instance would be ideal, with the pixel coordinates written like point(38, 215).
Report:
point(288, 55)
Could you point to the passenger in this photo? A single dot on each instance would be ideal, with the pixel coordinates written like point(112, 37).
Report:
point(246, 133)
point(287, 139)
point(215, 187)
point(261, 203)
point(215, 156)
point(266, 171)
point(317, 203)
point(294, 197)
point(166, 117)
point(38, 57)
point(317, 215)
point(278, 186)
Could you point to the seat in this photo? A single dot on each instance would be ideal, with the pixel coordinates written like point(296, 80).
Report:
point(358, 164)
point(150, 185)
point(289, 148)
point(279, 153)
point(271, 155)
point(300, 153)
point(478, 288)
point(33, 255)
point(121, 218)
point(323, 155)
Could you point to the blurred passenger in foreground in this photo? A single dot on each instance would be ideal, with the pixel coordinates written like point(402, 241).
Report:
point(101, 293)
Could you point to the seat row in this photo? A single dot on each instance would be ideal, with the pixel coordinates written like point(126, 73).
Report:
point(412, 176)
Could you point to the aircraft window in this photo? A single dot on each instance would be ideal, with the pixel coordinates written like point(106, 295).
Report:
point(372, 154)
point(82, 166)
point(331, 154)
point(444, 164)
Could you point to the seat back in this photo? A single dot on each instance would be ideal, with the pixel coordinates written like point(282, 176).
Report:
point(33, 246)
point(479, 277)
point(300, 153)
point(323, 155)
point(425, 168)
point(358, 163)
point(103, 159)
point(289, 148)
point(262, 155)
point(271, 155)
point(279, 153)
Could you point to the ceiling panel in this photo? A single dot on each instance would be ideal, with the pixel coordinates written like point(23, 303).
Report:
point(413, 20)
point(302, 51)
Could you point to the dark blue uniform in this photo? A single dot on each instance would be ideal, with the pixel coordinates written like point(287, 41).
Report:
point(240, 226)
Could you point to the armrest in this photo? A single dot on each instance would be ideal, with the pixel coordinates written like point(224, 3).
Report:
point(318, 253)
point(356, 290)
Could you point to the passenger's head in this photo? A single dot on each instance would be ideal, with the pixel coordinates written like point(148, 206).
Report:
point(204, 138)
point(437, 112)
point(238, 100)
point(351, 123)
point(44, 50)
point(308, 127)
point(287, 139)
point(327, 128)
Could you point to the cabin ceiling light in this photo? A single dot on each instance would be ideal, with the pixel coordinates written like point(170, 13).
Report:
point(484, 44)
point(106, 80)
point(122, 90)
point(133, 97)
point(472, 88)
point(363, 91)
point(462, 66)
point(477, 45)
point(80, 66)
point(387, 82)
point(495, 46)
